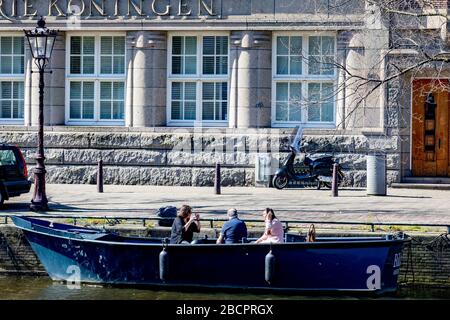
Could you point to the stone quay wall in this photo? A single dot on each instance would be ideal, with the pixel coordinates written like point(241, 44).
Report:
point(187, 157)
point(425, 263)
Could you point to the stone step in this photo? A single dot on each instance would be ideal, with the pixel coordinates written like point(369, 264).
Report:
point(427, 180)
point(430, 186)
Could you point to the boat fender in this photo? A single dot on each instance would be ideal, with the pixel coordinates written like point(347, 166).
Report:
point(270, 267)
point(163, 264)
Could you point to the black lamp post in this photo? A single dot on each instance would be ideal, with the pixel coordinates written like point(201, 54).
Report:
point(41, 41)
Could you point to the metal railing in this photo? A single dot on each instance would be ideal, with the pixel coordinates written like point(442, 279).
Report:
point(287, 223)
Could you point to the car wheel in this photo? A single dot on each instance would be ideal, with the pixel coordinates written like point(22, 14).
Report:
point(280, 182)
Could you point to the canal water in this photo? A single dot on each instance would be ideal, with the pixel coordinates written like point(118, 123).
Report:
point(43, 288)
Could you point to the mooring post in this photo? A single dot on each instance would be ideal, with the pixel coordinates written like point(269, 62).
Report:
point(100, 176)
point(217, 179)
point(334, 183)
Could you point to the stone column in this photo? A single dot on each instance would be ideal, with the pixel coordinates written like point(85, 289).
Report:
point(149, 79)
point(251, 79)
point(54, 91)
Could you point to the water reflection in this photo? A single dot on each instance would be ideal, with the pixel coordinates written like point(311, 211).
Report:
point(37, 288)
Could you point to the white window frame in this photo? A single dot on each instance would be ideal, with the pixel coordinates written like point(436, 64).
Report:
point(198, 78)
point(97, 77)
point(303, 78)
point(9, 77)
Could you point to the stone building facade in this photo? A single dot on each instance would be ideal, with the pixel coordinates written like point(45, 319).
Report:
point(162, 90)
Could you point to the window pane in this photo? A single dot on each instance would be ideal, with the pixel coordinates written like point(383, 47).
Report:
point(327, 112)
point(118, 110)
point(177, 65)
point(191, 65)
point(88, 90)
point(190, 91)
point(224, 110)
point(18, 45)
point(328, 65)
point(189, 110)
point(282, 111)
point(295, 92)
point(282, 91)
point(105, 90)
point(314, 65)
point(224, 91)
point(5, 111)
point(75, 90)
point(295, 46)
point(106, 65)
point(328, 45)
point(75, 45)
point(282, 65)
point(314, 92)
point(208, 91)
point(75, 109)
point(16, 111)
point(314, 46)
point(6, 64)
point(18, 65)
point(75, 64)
point(88, 109)
point(119, 45)
point(327, 91)
point(295, 112)
point(177, 45)
point(88, 45)
point(106, 44)
point(190, 45)
point(208, 45)
point(118, 91)
point(313, 112)
point(222, 65)
point(176, 110)
point(6, 90)
point(296, 65)
point(222, 45)
point(177, 90)
point(208, 65)
point(282, 45)
point(17, 93)
point(6, 45)
point(119, 65)
point(88, 64)
point(208, 110)
point(105, 109)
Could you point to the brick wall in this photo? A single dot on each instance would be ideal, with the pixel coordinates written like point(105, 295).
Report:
point(426, 262)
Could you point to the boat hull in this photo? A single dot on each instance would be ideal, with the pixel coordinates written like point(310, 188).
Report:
point(369, 266)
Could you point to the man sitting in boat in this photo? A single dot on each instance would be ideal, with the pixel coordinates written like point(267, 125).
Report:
point(274, 229)
point(184, 225)
point(233, 230)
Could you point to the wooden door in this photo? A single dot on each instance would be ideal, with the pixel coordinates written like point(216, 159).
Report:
point(430, 128)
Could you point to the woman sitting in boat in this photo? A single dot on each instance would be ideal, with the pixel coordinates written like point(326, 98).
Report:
point(274, 229)
point(184, 225)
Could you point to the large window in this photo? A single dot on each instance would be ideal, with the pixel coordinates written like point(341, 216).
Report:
point(96, 79)
point(11, 79)
point(198, 79)
point(304, 79)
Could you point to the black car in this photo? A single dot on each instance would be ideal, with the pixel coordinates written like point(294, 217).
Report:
point(13, 173)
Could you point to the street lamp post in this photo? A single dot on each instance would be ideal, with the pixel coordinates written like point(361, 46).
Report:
point(41, 41)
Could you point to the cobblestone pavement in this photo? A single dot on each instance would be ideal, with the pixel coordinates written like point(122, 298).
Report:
point(399, 206)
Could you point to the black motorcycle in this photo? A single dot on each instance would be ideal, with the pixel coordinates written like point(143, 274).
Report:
point(316, 170)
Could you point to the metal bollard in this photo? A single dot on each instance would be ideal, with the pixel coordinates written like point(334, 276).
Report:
point(334, 183)
point(100, 176)
point(217, 179)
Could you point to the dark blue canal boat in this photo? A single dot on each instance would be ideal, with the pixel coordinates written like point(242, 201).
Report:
point(350, 264)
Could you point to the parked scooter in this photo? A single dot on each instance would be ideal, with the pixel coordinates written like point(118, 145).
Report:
point(317, 170)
